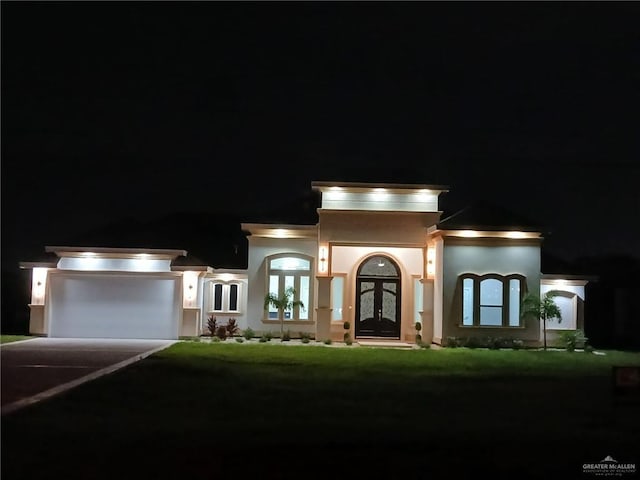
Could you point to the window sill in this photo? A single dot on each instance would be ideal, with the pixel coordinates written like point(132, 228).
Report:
point(502, 327)
point(224, 312)
point(288, 322)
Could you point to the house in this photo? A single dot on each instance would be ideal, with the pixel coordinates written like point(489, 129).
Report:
point(381, 256)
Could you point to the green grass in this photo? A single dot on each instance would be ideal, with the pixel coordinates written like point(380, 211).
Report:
point(235, 411)
point(13, 338)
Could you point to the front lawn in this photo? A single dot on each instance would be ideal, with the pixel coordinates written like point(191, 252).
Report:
point(268, 411)
point(13, 338)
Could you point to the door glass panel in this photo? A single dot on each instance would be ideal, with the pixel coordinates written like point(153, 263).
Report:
point(389, 301)
point(366, 300)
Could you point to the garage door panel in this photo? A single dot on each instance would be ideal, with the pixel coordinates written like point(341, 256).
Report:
point(113, 307)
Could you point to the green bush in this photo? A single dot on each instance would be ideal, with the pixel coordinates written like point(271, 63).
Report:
point(328, 341)
point(239, 339)
point(265, 338)
point(248, 334)
point(495, 343)
point(573, 339)
point(305, 336)
point(422, 344)
point(215, 339)
point(453, 342)
point(221, 332)
point(286, 336)
point(347, 338)
point(474, 342)
point(517, 344)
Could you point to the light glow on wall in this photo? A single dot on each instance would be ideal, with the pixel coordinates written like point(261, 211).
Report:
point(431, 262)
point(323, 260)
point(516, 235)
point(226, 277)
point(38, 284)
point(190, 289)
point(469, 233)
point(379, 195)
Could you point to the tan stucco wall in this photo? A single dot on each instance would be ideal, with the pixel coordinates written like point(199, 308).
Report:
point(399, 228)
point(347, 259)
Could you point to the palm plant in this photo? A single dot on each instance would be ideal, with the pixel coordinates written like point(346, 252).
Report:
point(284, 302)
point(542, 308)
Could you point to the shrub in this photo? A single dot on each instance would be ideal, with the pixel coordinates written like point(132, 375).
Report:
point(494, 343)
point(474, 342)
point(215, 339)
point(265, 338)
point(347, 339)
point(212, 325)
point(239, 339)
point(268, 336)
point(305, 336)
point(573, 339)
point(328, 341)
point(517, 344)
point(422, 344)
point(453, 342)
point(221, 332)
point(248, 334)
point(418, 338)
point(232, 327)
point(286, 336)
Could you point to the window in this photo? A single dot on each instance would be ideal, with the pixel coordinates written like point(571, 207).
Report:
point(491, 300)
point(290, 271)
point(224, 297)
point(337, 297)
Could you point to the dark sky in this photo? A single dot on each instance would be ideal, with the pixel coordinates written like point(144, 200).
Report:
point(141, 109)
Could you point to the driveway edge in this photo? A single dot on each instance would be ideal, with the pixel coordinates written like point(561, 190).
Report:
point(12, 407)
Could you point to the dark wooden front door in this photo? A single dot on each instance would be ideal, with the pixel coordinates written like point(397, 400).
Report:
point(378, 307)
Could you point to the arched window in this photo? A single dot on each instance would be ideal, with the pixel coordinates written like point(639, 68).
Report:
point(290, 270)
point(491, 300)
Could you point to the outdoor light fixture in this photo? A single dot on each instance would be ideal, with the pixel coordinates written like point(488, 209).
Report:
point(431, 262)
point(189, 279)
point(37, 286)
point(323, 260)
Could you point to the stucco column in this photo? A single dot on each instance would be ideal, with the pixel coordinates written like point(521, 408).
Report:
point(323, 312)
point(427, 310)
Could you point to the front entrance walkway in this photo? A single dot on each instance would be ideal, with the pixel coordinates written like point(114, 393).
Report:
point(386, 344)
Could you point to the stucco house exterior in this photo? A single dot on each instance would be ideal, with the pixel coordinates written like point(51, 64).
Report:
point(381, 256)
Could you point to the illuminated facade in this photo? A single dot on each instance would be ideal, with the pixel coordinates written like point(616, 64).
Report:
point(380, 258)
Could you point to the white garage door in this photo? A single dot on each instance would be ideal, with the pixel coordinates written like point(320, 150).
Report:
point(114, 306)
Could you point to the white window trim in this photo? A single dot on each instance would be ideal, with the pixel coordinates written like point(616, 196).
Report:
point(226, 297)
point(505, 280)
point(296, 274)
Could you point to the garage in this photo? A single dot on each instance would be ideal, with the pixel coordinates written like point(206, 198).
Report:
point(114, 305)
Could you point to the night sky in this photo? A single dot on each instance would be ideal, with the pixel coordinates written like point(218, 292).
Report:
point(139, 110)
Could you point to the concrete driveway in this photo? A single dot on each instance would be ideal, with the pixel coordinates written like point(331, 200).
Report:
point(36, 369)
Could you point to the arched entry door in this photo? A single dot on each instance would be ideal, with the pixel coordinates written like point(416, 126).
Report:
point(378, 298)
